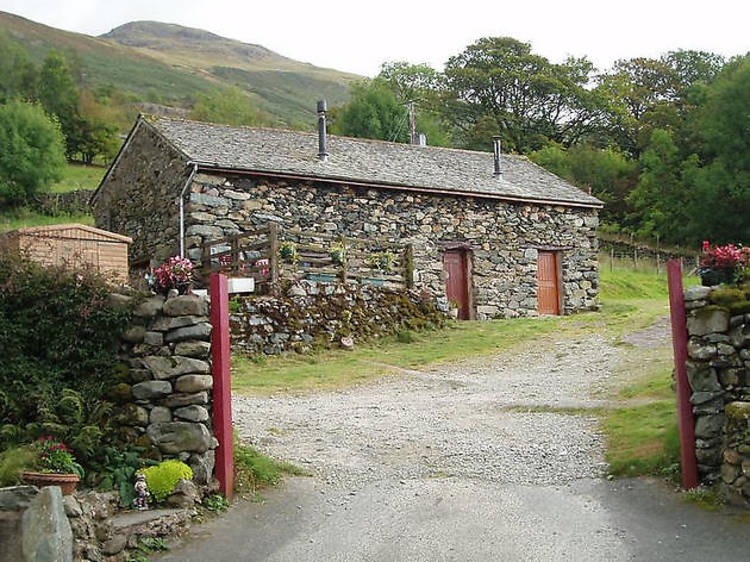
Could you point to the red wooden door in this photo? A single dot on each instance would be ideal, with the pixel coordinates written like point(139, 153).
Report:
point(548, 295)
point(457, 284)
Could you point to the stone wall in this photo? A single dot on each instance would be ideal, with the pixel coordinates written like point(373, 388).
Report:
point(504, 237)
point(165, 396)
point(71, 202)
point(141, 197)
point(307, 314)
point(718, 370)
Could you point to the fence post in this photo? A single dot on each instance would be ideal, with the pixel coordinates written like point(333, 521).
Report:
point(409, 266)
point(612, 259)
point(273, 258)
point(685, 420)
point(222, 386)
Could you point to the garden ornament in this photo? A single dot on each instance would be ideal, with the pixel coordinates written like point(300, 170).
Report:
point(141, 493)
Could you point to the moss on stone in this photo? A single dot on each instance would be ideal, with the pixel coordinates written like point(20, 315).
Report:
point(737, 411)
point(742, 307)
point(727, 296)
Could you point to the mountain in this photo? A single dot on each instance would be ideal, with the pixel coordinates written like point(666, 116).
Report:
point(170, 64)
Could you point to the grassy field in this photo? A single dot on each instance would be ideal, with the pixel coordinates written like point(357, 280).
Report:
point(76, 176)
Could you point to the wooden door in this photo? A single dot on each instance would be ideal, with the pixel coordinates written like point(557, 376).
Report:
point(548, 294)
point(455, 264)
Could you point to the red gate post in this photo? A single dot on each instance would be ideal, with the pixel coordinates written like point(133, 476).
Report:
point(222, 383)
point(684, 407)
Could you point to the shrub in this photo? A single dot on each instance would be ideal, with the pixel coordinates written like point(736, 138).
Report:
point(33, 151)
point(58, 335)
point(13, 462)
point(163, 477)
point(175, 273)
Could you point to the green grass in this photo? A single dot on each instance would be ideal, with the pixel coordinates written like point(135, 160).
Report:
point(76, 176)
point(23, 216)
point(254, 470)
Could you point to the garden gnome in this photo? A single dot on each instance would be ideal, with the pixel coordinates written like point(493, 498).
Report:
point(141, 493)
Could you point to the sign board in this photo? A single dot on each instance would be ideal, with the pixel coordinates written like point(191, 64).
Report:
point(241, 285)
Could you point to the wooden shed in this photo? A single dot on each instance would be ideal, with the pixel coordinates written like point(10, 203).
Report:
point(75, 244)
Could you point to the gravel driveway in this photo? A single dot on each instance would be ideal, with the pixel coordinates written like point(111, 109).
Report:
point(464, 462)
point(463, 420)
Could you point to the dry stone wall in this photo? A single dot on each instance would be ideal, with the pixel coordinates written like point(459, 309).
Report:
point(165, 396)
point(505, 237)
point(307, 314)
point(718, 370)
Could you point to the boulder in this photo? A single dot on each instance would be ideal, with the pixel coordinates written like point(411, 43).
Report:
point(153, 338)
point(697, 293)
point(200, 331)
point(72, 506)
point(132, 414)
point(193, 413)
point(134, 334)
point(698, 349)
point(151, 389)
point(178, 400)
point(709, 426)
point(202, 466)
point(176, 437)
point(174, 366)
point(160, 414)
point(165, 323)
point(708, 320)
point(46, 533)
point(200, 349)
point(185, 495)
point(17, 498)
point(187, 305)
point(702, 378)
point(150, 307)
point(194, 383)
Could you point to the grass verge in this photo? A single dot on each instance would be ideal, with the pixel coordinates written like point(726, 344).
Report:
point(254, 470)
point(77, 176)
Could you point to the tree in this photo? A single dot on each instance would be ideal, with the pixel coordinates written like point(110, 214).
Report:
point(720, 204)
point(373, 113)
point(58, 95)
point(230, 107)
point(18, 72)
point(608, 172)
point(531, 100)
point(33, 151)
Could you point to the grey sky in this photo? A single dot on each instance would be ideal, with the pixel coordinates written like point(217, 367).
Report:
point(359, 36)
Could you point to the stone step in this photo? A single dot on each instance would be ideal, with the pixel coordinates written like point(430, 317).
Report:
point(128, 527)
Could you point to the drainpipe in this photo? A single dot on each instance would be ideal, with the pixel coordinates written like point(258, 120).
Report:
point(182, 207)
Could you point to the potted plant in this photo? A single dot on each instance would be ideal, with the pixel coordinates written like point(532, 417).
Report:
point(723, 264)
point(56, 466)
point(175, 273)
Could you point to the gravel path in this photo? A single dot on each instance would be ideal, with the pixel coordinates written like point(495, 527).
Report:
point(465, 420)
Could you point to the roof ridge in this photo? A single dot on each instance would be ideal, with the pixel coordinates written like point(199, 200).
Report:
point(150, 118)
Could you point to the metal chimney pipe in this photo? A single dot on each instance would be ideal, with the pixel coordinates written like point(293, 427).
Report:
point(322, 149)
point(422, 139)
point(496, 151)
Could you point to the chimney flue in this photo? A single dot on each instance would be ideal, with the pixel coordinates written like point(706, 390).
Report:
point(322, 150)
point(496, 151)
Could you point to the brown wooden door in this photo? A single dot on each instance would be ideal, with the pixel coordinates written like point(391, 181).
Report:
point(457, 285)
point(548, 295)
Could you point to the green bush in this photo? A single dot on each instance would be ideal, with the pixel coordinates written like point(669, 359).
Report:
point(58, 335)
point(163, 477)
point(13, 462)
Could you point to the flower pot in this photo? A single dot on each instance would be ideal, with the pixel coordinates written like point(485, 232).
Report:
point(67, 482)
point(712, 277)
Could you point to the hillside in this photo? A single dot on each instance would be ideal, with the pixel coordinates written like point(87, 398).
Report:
point(171, 64)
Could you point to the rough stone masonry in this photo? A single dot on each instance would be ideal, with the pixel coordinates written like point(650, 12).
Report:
point(504, 237)
point(165, 398)
point(718, 370)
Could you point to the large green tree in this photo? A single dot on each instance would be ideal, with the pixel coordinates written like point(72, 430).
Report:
point(721, 198)
point(530, 99)
point(32, 151)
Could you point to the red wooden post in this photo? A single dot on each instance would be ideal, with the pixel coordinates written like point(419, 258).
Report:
point(222, 389)
point(684, 407)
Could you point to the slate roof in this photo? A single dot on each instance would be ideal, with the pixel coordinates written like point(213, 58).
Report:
point(278, 151)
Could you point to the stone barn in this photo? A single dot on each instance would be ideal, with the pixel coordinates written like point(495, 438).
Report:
point(496, 235)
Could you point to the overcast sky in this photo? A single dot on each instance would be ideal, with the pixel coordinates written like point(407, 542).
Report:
point(358, 36)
